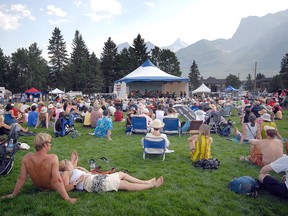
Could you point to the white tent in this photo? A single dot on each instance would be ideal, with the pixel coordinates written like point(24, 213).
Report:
point(202, 89)
point(148, 77)
point(56, 91)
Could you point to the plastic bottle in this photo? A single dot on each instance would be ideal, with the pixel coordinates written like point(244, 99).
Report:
point(10, 146)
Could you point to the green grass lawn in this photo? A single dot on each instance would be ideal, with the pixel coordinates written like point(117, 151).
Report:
point(186, 190)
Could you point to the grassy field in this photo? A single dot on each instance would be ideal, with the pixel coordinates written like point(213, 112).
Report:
point(186, 190)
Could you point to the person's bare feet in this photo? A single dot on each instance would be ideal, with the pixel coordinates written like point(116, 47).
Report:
point(25, 129)
point(151, 181)
point(159, 182)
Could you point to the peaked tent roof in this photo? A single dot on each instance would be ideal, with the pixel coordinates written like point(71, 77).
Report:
point(33, 91)
point(56, 91)
point(148, 72)
point(202, 89)
point(230, 88)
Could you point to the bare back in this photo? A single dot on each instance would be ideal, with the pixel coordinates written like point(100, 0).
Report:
point(41, 169)
point(271, 149)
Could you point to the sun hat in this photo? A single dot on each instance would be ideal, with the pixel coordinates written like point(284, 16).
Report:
point(43, 110)
point(145, 110)
point(34, 104)
point(156, 123)
point(263, 111)
point(267, 127)
point(212, 106)
point(50, 106)
point(58, 106)
point(266, 117)
point(268, 108)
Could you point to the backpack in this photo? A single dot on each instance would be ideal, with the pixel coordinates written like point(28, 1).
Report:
point(245, 185)
point(207, 163)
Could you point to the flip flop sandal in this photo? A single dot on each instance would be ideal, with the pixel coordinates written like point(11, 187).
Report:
point(104, 159)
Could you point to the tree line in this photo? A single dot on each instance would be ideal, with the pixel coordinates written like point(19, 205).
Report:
point(80, 70)
point(83, 71)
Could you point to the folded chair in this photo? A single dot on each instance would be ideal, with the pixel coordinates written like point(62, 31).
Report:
point(154, 146)
point(194, 127)
point(139, 125)
point(171, 126)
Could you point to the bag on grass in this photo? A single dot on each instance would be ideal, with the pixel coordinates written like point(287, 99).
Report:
point(208, 163)
point(245, 185)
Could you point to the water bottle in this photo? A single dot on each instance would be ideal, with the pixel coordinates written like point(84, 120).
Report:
point(10, 146)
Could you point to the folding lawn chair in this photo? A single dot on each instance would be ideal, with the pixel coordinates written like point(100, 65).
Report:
point(154, 146)
point(139, 125)
point(171, 126)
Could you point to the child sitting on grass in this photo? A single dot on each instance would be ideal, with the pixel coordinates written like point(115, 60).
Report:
point(200, 144)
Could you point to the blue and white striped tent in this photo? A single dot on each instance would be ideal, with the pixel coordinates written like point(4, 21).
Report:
point(149, 77)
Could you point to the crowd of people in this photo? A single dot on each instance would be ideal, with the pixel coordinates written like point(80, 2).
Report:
point(256, 116)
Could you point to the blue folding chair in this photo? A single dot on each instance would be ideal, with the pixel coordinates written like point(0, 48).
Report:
point(139, 125)
point(156, 144)
point(171, 126)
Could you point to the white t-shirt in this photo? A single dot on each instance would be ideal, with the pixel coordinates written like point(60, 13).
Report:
point(281, 165)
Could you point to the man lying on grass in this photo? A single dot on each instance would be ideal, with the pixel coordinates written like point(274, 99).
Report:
point(43, 169)
point(81, 179)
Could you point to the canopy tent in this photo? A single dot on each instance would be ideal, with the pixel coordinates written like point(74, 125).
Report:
point(202, 89)
point(230, 89)
point(56, 91)
point(33, 91)
point(149, 77)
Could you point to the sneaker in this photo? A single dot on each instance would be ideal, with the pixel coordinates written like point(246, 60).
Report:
point(168, 151)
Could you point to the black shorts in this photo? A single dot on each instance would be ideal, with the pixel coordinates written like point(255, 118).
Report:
point(275, 187)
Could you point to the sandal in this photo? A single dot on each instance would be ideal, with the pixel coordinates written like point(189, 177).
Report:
point(104, 159)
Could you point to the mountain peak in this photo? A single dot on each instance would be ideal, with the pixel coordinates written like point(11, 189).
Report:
point(177, 45)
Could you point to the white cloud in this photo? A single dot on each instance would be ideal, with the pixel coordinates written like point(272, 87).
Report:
point(150, 3)
point(9, 22)
point(23, 10)
point(52, 10)
point(10, 17)
point(57, 22)
point(104, 9)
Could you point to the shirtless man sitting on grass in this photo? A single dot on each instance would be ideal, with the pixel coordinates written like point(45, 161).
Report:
point(265, 151)
point(43, 169)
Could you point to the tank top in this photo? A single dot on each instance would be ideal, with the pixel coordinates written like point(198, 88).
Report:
point(76, 173)
point(251, 132)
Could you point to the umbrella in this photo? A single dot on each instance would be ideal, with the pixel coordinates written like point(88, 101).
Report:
point(185, 111)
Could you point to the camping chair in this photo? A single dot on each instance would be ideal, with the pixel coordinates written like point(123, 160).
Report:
point(214, 122)
point(171, 126)
point(226, 111)
point(139, 125)
point(154, 146)
point(194, 127)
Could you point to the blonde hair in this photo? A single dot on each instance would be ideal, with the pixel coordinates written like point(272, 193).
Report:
point(62, 165)
point(41, 139)
point(204, 130)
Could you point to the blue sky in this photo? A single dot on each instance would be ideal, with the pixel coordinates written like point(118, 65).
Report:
point(161, 22)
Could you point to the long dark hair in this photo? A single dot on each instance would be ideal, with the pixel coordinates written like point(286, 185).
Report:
point(8, 107)
point(252, 119)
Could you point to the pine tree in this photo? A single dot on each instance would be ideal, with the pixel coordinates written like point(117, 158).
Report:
point(108, 63)
point(37, 68)
point(58, 59)
point(4, 69)
point(139, 51)
point(284, 71)
point(194, 76)
point(166, 60)
point(79, 61)
point(249, 83)
point(95, 78)
point(233, 80)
